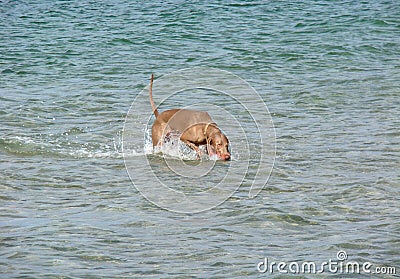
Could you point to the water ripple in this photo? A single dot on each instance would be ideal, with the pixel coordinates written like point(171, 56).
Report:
point(328, 71)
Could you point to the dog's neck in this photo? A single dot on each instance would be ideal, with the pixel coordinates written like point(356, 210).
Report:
point(210, 128)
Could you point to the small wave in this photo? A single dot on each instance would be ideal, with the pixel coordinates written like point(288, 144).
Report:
point(19, 145)
point(62, 146)
point(27, 146)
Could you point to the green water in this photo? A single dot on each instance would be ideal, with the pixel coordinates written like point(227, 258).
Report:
point(329, 72)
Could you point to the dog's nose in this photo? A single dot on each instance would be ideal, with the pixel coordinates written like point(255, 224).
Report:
point(227, 157)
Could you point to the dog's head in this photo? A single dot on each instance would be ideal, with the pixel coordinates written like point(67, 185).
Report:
point(218, 144)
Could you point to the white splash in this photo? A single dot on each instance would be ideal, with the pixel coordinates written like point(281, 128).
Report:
point(174, 147)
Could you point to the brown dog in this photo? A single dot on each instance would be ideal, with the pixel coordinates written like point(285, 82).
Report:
point(195, 128)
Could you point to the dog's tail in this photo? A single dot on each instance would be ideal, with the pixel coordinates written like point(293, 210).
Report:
point(153, 106)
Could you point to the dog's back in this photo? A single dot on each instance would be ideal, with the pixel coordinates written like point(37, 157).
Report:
point(182, 119)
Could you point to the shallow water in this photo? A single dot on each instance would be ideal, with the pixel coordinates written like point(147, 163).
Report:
point(329, 73)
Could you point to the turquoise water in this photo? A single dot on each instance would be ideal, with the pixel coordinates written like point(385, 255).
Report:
point(329, 72)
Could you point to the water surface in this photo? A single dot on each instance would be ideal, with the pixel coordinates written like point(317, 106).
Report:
point(329, 72)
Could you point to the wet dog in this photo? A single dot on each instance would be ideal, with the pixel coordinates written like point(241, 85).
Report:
point(195, 127)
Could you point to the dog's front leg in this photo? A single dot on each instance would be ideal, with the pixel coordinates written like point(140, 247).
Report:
point(194, 147)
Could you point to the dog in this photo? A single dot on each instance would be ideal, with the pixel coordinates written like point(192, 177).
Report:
point(194, 127)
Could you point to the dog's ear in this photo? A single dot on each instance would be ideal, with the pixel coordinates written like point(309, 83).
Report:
point(209, 142)
point(210, 148)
